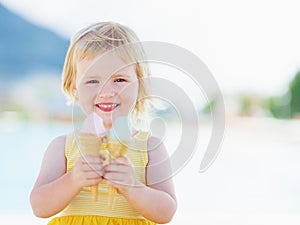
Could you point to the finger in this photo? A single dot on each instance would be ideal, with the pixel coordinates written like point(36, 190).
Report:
point(103, 158)
point(93, 163)
point(114, 177)
point(92, 167)
point(93, 175)
point(91, 159)
point(120, 168)
point(120, 160)
point(90, 182)
point(115, 184)
point(118, 172)
point(87, 161)
point(119, 179)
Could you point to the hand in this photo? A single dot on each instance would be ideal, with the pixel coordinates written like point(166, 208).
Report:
point(120, 174)
point(87, 171)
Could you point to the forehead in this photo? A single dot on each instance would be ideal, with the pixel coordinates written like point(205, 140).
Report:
point(104, 65)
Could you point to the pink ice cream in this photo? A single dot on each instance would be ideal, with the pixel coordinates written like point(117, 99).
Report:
point(93, 124)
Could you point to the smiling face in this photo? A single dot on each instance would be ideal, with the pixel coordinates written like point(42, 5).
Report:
point(107, 86)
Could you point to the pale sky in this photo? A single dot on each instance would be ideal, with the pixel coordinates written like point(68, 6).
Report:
point(247, 45)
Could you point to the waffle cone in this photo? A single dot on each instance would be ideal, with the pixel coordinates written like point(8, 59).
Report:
point(105, 153)
point(90, 145)
point(116, 149)
point(112, 192)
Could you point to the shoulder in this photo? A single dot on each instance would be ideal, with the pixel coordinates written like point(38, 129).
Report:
point(54, 162)
point(60, 140)
point(157, 151)
point(57, 144)
point(159, 169)
point(56, 149)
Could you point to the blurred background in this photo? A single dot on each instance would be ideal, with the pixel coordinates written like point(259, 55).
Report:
point(252, 49)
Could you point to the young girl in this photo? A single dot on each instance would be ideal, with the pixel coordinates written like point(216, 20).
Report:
point(62, 181)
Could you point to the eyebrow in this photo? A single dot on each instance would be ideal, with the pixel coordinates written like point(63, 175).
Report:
point(91, 77)
point(88, 77)
point(121, 75)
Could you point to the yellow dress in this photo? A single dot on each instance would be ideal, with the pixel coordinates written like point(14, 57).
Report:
point(83, 210)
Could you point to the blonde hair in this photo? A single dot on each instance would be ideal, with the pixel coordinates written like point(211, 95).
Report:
point(99, 38)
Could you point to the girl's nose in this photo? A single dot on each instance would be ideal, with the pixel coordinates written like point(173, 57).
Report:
point(107, 91)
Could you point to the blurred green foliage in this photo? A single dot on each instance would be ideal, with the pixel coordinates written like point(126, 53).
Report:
point(295, 96)
point(288, 105)
point(209, 107)
point(281, 106)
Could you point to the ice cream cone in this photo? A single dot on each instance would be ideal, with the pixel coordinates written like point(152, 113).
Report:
point(116, 149)
point(90, 145)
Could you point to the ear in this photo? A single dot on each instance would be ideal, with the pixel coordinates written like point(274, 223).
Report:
point(74, 92)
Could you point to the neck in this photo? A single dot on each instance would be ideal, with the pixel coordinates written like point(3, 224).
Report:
point(107, 126)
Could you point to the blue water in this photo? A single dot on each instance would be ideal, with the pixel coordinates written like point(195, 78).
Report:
point(22, 146)
point(257, 171)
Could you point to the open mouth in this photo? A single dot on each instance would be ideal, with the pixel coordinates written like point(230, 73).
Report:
point(107, 107)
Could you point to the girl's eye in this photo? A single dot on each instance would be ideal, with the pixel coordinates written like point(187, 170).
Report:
point(120, 80)
point(92, 82)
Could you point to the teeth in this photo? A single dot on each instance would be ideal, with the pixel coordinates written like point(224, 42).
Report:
point(106, 106)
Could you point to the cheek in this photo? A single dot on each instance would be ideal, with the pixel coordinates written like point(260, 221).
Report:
point(130, 93)
point(82, 95)
point(87, 92)
point(85, 99)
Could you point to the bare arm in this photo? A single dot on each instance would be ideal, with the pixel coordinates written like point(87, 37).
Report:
point(54, 188)
point(156, 201)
